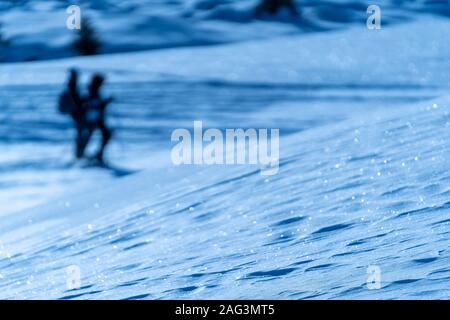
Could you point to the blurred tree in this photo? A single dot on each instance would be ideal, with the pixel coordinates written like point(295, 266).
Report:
point(86, 41)
point(273, 6)
point(3, 41)
point(3, 44)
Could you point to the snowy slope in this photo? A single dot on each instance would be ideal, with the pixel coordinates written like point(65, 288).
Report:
point(364, 183)
point(292, 83)
point(406, 54)
point(36, 30)
point(370, 191)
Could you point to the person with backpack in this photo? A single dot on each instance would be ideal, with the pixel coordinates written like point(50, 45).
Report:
point(71, 103)
point(94, 108)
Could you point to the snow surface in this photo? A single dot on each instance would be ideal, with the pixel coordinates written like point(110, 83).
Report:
point(36, 29)
point(362, 179)
point(159, 91)
point(358, 193)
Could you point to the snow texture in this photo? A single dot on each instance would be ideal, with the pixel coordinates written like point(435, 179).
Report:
point(364, 120)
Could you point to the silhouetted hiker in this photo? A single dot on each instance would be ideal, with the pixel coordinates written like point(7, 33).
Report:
point(273, 6)
point(70, 103)
point(94, 116)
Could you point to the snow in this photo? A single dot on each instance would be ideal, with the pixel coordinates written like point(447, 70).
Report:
point(366, 191)
point(155, 24)
point(37, 30)
point(363, 117)
point(354, 57)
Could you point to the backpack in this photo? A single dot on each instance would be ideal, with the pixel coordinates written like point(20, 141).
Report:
point(66, 103)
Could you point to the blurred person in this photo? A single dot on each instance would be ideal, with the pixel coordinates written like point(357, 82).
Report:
point(71, 103)
point(94, 118)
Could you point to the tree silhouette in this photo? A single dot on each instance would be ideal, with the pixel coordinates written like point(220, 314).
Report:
point(3, 44)
point(87, 42)
point(273, 6)
point(3, 40)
